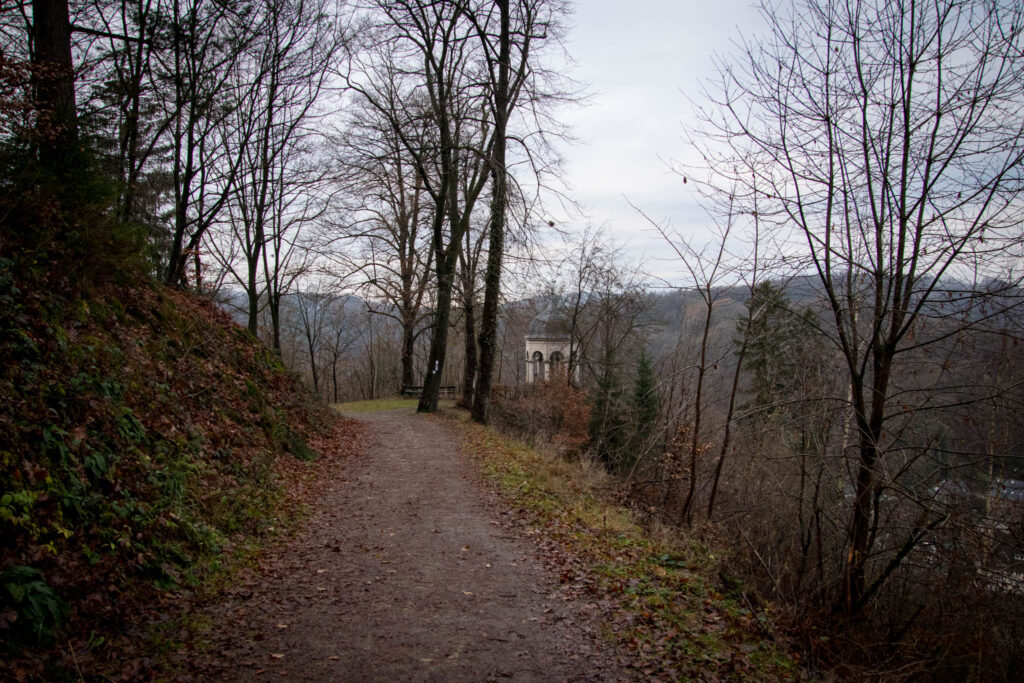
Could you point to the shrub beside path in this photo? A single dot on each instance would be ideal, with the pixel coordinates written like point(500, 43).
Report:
point(402, 572)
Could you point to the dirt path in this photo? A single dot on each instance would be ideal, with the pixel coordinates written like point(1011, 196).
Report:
point(404, 573)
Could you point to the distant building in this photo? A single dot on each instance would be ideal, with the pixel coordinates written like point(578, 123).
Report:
point(548, 345)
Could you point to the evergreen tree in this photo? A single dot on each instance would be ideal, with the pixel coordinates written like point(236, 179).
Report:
point(646, 403)
point(608, 425)
point(779, 335)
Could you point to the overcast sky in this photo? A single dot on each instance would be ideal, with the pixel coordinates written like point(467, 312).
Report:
point(640, 60)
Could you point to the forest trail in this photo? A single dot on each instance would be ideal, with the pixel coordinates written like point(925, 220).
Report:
point(404, 572)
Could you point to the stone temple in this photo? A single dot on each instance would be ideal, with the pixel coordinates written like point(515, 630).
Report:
point(548, 344)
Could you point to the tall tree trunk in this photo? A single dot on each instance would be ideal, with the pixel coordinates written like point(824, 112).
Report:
point(408, 353)
point(446, 205)
point(259, 212)
point(53, 83)
point(499, 204)
point(870, 427)
point(686, 514)
point(274, 304)
point(439, 335)
point(313, 370)
point(334, 379)
point(253, 296)
point(184, 139)
point(129, 154)
point(471, 364)
point(726, 437)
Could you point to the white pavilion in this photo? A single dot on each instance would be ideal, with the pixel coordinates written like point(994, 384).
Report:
point(548, 344)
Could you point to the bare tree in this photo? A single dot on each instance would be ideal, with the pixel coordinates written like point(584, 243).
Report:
point(386, 206)
point(589, 264)
point(198, 73)
point(426, 47)
point(342, 332)
point(281, 184)
point(126, 36)
point(468, 293)
point(894, 134)
point(750, 274)
point(314, 307)
point(509, 35)
point(708, 269)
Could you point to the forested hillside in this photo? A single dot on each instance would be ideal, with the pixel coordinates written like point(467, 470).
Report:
point(146, 439)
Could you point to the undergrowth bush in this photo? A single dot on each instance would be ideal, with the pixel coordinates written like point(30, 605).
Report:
point(553, 412)
point(28, 596)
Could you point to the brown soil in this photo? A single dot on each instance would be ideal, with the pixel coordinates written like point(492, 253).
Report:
point(404, 572)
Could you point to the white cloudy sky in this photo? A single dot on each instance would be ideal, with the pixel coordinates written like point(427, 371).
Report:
point(641, 60)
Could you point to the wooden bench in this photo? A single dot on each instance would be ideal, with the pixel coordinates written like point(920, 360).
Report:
point(414, 390)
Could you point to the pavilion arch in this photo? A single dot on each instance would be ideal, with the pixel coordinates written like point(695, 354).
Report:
point(548, 344)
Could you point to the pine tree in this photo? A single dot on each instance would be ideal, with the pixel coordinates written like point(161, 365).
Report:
point(646, 403)
point(778, 334)
point(608, 424)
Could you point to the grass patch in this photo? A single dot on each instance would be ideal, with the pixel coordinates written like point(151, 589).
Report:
point(669, 606)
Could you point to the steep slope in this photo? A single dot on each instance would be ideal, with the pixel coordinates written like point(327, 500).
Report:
point(142, 435)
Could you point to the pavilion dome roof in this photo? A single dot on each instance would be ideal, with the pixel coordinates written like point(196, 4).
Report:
point(550, 323)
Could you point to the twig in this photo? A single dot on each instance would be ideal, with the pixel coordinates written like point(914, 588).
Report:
point(775, 583)
point(74, 659)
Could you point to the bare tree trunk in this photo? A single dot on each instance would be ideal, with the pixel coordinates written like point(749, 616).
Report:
point(439, 338)
point(724, 450)
point(471, 364)
point(469, 261)
point(253, 295)
point(334, 379)
point(274, 305)
point(499, 205)
point(687, 512)
point(53, 83)
point(744, 343)
point(313, 369)
point(408, 353)
point(865, 501)
point(373, 365)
